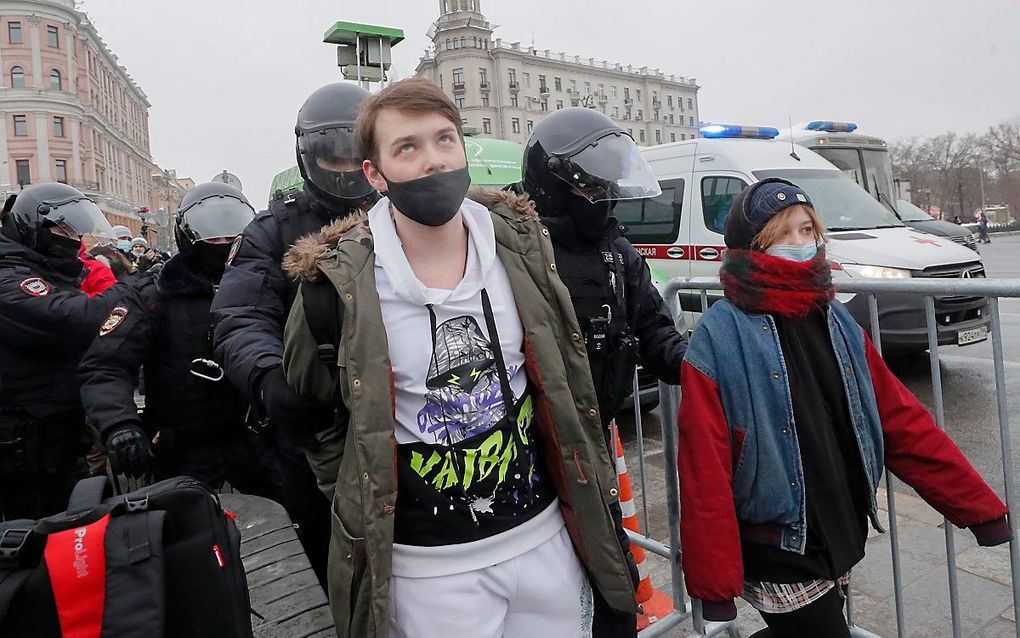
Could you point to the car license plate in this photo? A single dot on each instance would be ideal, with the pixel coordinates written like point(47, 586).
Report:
point(972, 336)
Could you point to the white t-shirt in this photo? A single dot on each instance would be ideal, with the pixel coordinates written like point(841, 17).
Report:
point(467, 497)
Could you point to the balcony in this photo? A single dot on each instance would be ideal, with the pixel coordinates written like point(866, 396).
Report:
point(543, 90)
point(656, 103)
point(628, 102)
point(515, 86)
point(603, 98)
point(458, 87)
point(483, 86)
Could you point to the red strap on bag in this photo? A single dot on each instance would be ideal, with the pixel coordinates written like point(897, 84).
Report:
point(76, 561)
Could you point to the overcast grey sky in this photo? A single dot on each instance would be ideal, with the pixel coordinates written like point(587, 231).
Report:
point(226, 77)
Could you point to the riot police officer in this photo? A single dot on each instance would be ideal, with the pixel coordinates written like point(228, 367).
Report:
point(255, 296)
point(577, 165)
point(48, 323)
point(164, 326)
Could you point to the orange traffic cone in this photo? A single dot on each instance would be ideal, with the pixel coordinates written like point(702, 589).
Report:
point(654, 603)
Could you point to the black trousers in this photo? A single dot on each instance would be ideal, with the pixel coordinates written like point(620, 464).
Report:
point(307, 506)
point(34, 496)
point(821, 619)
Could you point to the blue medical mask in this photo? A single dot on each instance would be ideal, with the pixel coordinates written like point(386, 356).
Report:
point(124, 245)
point(793, 252)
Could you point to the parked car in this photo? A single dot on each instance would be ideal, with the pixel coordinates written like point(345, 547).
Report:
point(917, 219)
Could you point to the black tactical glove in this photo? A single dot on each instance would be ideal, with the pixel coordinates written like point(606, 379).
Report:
point(129, 451)
point(288, 410)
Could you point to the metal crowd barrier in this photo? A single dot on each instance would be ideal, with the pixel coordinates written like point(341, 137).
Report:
point(686, 608)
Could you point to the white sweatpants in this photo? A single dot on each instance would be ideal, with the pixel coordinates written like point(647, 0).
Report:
point(543, 592)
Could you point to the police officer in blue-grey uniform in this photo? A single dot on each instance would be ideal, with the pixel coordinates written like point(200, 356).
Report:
point(255, 295)
point(46, 324)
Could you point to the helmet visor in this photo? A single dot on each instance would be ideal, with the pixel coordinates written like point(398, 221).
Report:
point(78, 217)
point(216, 217)
point(610, 168)
point(333, 164)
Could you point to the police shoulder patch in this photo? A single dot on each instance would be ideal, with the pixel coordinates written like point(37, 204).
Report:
point(117, 316)
point(35, 287)
point(233, 249)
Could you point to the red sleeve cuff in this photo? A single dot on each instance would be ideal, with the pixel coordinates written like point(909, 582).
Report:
point(992, 533)
point(718, 611)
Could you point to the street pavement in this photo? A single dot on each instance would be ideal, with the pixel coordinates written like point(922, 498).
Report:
point(972, 420)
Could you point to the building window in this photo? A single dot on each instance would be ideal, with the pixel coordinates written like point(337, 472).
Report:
point(545, 105)
point(20, 125)
point(672, 137)
point(558, 83)
point(542, 86)
point(515, 125)
point(671, 118)
point(17, 77)
point(559, 104)
point(483, 76)
point(655, 115)
point(613, 90)
point(658, 137)
point(640, 115)
point(669, 101)
point(513, 100)
point(641, 135)
point(573, 86)
point(24, 172)
point(527, 80)
point(626, 92)
point(55, 80)
point(460, 103)
point(486, 126)
point(587, 88)
point(458, 79)
point(61, 171)
point(683, 137)
point(531, 125)
point(616, 112)
point(14, 32)
point(512, 76)
point(691, 120)
point(58, 127)
point(53, 37)
point(485, 100)
point(690, 104)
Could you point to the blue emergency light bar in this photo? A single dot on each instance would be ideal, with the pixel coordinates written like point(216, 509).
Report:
point(831, 127)
point(718, 131)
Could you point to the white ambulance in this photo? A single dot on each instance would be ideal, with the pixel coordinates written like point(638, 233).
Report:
point(681, 231)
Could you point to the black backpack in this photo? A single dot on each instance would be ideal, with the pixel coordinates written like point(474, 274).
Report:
point(162, 561)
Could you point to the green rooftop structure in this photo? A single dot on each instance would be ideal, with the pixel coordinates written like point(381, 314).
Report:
point(363, 50)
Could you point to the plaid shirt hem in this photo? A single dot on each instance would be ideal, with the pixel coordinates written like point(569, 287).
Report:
point(776, 598)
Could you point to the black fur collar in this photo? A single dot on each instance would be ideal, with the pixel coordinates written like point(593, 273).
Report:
point(178, 279)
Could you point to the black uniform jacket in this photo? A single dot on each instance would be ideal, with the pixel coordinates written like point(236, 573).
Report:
point(164, 326)
point(46, 324)
point(255, 294)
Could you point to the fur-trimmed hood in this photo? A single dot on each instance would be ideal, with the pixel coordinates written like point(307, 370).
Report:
point(301, 261)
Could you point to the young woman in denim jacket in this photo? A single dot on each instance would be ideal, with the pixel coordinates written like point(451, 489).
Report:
point(789, 415)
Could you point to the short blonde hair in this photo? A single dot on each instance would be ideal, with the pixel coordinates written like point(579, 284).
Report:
point(776, 228)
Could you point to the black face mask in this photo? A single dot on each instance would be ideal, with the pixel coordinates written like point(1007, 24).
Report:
point(432, 200)
point(210, 259)
point(590, 218)
point(61, 254)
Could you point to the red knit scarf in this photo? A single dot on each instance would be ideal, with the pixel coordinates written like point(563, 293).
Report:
point(762, 284)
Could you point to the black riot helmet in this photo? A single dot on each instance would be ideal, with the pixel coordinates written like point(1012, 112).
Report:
point(28, 214)
point(582, 152)
point(210, 211)
point(327, 154)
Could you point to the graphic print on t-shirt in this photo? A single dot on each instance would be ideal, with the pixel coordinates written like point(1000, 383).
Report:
point(480, 477)
point(464, 397)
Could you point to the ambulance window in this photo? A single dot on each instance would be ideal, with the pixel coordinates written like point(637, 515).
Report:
point(655, 220)
point(717, 194)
